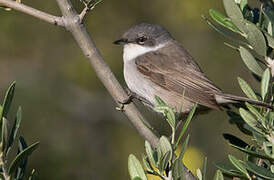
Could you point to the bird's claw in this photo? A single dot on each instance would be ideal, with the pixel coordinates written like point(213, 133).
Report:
point(120, 108)
point(122, 103)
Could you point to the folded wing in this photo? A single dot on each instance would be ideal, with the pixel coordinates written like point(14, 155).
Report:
point(174, 69)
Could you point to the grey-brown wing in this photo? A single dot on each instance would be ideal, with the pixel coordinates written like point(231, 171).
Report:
point(177, 71)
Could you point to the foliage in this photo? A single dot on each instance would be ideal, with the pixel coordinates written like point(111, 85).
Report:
point(14, 169)
point(251, 29)
point(255, 43)
point(162, 161)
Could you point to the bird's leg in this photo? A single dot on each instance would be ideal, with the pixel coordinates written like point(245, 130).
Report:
point(130, 97)
point(128, 100)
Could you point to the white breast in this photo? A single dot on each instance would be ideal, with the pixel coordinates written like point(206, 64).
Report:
point(137, 83)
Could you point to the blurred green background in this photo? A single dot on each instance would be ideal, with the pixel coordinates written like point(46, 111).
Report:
point(68, 110)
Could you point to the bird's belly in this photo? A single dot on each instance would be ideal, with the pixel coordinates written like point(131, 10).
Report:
point(146, 89)
point(139, 84)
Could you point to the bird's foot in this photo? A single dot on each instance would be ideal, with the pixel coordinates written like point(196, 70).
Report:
point(128, 100)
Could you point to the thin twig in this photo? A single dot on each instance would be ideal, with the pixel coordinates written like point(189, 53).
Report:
point(33, 12)
point(83, 13)
point(88, 7)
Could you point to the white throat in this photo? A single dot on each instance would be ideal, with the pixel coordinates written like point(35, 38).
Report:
point(131, 51)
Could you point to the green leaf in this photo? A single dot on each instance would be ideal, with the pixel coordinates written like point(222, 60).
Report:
point(225, 33)
point(269, 12)
point(222, 20)
point(270, 28)
point(1, 110)
point(255, 38)
point(5, 135)
point(150, 153)
point(218, 175)
point(260, 171)
point(255, 112)
point(238, 165)
point(22, 144)
point(250, 61)
point(184, 147)
point(135, 168)
point(182, 101)
point(186, 124)
point(8, 99)
point(32, 175)
point(22, 156)
point(243, 4)
point(171, 119)
point(270, 40)
point(159, 101)
point(147, 163)
point(165, 146)
point(158, 155)
point(253, 35)
point(247, 89)
point(240, 123)
point(22, 167)
point(272, 168)
point(204, 168)
point(178, 169)
point(249, 119)
point(234, 12)
point(168, 113)
point(164, 161)
point(229, 170)
point(137, 178)
point(15, 127)
point(265, 83)
point(253, 153)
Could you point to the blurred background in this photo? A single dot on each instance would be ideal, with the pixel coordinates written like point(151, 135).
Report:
point(68, 110)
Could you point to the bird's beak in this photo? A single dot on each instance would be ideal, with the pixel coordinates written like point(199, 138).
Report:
point(121, 42)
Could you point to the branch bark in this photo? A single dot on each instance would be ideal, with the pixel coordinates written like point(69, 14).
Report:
point(33, 12)
point(72, 21)
point(78, 30)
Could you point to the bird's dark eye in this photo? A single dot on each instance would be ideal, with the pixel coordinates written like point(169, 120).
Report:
point(141, 40)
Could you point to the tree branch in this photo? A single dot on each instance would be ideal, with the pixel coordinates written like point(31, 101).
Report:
point(33, 12)
point(73, 23)
point(78, 30)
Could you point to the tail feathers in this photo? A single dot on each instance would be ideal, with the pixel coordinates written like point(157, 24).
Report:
point(228, 98)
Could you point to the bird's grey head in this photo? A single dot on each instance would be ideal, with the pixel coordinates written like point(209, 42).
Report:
point(148, 35)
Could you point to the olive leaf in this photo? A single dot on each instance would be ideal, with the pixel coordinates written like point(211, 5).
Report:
point(135, 168)
point(250, 61)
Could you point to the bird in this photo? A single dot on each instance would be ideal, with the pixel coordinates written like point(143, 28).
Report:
point(155, 64)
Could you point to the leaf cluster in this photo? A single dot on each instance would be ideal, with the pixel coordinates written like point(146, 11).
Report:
point(163, 161)
point(251, 29)
point(15, 169)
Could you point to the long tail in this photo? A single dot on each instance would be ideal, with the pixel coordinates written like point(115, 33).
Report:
point(228, 98)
